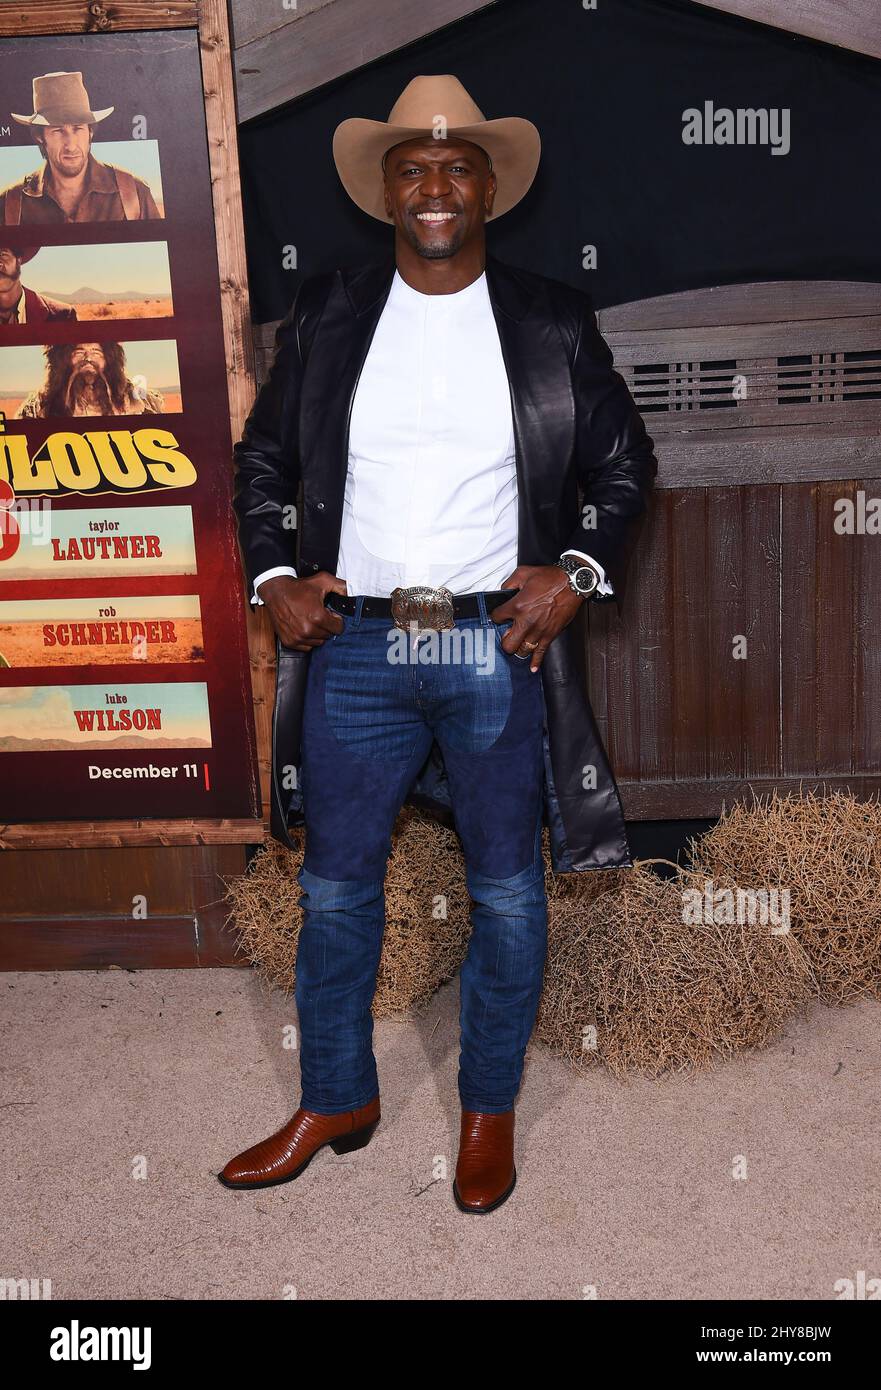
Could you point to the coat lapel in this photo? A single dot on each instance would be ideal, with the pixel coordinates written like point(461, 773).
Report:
point(542, 403)
point(340, 349)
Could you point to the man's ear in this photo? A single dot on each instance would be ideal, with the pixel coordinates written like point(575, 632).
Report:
point(492, 184)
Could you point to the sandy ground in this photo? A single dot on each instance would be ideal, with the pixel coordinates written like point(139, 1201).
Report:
point(123, 1094)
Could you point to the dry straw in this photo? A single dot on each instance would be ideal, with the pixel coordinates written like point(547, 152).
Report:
point(629, 982)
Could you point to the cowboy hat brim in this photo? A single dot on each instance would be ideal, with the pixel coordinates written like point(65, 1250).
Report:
point(512, 143)
point(92, 119)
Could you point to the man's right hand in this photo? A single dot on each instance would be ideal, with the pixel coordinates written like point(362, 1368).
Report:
point(296, 608)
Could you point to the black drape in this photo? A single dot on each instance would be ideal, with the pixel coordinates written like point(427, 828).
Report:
point(607, 90)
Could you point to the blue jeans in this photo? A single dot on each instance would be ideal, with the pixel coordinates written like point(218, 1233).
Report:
point(374, 703)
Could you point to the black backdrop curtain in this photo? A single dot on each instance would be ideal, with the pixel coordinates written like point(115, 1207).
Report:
point(607, 90)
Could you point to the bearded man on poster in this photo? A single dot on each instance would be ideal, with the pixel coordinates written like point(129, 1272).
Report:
point(440, 413)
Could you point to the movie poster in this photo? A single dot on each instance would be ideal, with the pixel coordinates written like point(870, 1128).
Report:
point(124, 679)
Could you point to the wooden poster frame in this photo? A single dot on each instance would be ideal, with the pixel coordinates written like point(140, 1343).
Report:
point(211, 20)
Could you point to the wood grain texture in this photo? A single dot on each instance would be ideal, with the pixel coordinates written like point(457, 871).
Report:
point(75, 909)
point(763, 301)
point(706, 798)
point(255, 19)
point(850, 24)
point(328, 41)
point(117, 834)
point(220, 116)
point(18, 17)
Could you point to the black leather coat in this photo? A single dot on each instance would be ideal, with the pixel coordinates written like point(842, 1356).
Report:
point(576, 430)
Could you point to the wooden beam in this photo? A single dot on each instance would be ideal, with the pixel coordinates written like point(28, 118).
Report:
point(326, 42)
point(853, 24)
point(127, 834)
point(83, 17)
point(699, 799)
point(254, 19)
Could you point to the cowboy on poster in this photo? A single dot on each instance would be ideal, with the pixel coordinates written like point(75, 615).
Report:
point(123, 654)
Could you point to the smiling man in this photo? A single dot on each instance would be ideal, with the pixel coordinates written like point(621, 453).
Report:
point(72, 185)
point(439, 415)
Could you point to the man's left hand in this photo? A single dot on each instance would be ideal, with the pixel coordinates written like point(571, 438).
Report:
point(544, 605)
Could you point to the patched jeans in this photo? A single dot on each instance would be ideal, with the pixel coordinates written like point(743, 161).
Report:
point(375, 700)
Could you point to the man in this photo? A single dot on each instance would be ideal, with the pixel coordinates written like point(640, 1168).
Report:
point(72, 185)
point(89, 379)
point(18, 304)
point(439, 414)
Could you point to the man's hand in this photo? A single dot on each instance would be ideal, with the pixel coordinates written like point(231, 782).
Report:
point(545, 605)
point(296, 608)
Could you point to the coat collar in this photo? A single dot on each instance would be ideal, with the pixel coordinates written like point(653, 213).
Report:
point(99, 179)
point(367, 285)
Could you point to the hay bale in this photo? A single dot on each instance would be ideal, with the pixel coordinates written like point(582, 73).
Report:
point(826, 850)
point(630, 984)
point(427, 926)
point(629, 981)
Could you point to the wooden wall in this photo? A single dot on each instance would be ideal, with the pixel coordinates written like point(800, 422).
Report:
point(765, 405)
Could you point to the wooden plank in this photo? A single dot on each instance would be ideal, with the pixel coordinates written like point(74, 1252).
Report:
point(722, 667)
point(255, 19)
point(650, 628)
point(761, 549)
point(329, 42)
point(799, 654)
point(115, 834)
point(690, 687)
point(852, 24)
point(88, 908)
point(82, 17)
point(238, 335)
point(867, 666)
point(763, 301)
point(777, 337)
point(621, 721)
point(843, 417)
point(706, 798)
point(836, 646)
point(763, 456)
point(102, 943)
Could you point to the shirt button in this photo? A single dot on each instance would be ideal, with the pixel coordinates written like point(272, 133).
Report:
point(320, 506)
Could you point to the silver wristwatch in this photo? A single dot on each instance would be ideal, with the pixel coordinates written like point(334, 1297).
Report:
point(583, 578)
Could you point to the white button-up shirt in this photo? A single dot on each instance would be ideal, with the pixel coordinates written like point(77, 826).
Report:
point(431, 486)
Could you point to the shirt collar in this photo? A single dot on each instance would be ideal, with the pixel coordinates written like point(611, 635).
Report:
point(474, 293)
point(99, 179)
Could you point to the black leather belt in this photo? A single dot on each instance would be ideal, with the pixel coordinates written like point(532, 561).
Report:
point(464, 605)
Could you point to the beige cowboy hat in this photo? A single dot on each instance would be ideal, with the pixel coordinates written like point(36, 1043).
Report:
point(60, 98)
point(427, 105)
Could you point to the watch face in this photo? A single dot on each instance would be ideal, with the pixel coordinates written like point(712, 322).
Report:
point(585, 580)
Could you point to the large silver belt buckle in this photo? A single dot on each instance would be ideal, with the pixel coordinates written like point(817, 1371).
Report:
point(427, 609)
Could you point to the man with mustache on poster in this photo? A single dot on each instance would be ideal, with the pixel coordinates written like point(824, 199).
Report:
point(18, 304)
point(439, 413)
point(88, 379)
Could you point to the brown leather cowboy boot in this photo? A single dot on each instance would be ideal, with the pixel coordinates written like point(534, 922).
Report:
point(485, 1172)
point(285, 1154)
